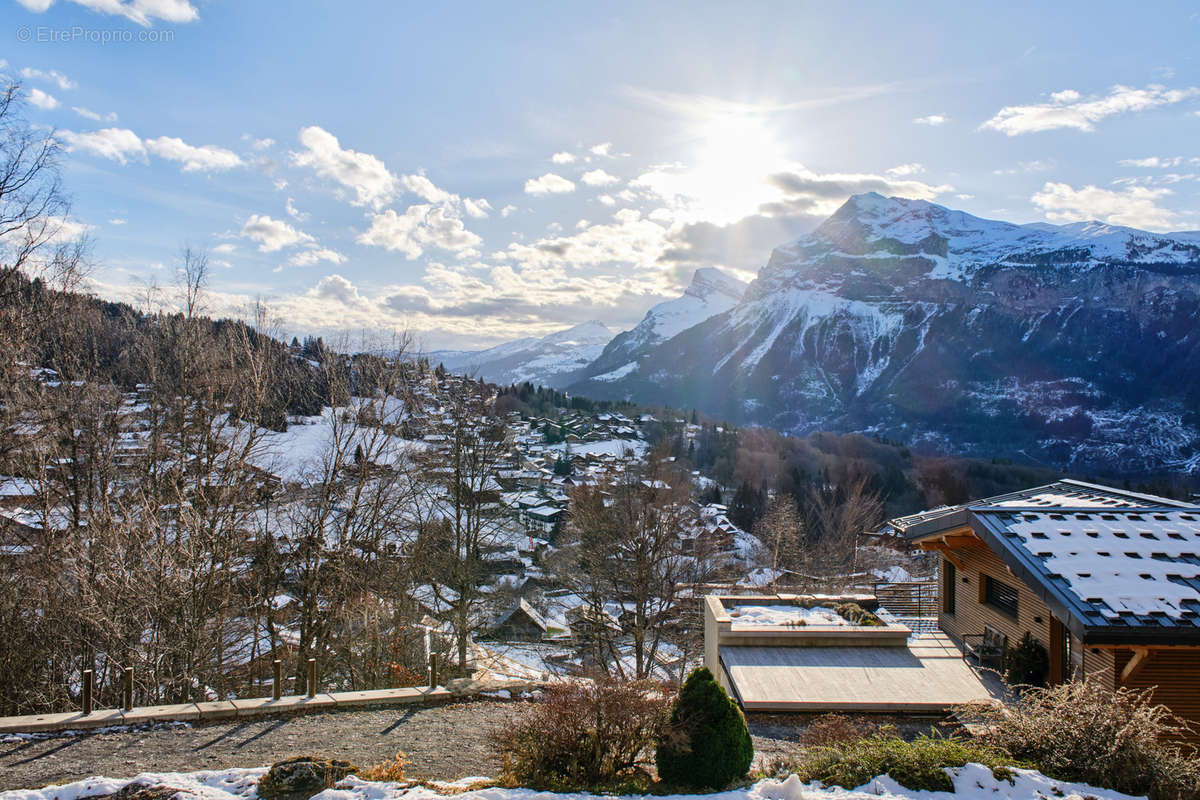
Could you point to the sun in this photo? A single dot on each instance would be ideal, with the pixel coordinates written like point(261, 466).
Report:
point(735, 155)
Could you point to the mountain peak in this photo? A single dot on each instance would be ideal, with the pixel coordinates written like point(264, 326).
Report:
point(707, 281)
point(590, 331)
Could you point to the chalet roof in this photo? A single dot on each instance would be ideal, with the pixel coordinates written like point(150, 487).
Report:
point(1065, 493)
point(522, 607)
point(1117, 567)
point(1116, 575)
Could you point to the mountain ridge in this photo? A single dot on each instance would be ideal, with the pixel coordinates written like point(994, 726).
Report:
point(1073, 346)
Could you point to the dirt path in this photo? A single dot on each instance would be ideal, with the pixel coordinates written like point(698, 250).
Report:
point(441, 741)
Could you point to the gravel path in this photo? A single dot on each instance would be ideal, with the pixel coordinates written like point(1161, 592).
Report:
point(441, 741)
point(444, 742)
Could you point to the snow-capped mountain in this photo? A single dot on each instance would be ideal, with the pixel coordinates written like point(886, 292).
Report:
point(552, 360)
point(710, 292)
point(1074, 345)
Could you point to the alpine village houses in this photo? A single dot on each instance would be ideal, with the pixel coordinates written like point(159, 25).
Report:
point(1106, 580)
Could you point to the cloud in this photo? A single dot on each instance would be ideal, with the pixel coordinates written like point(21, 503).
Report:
point(1159, 162)
point(562, 158)
point(420, 227)
point(598, 177)
point(225, 248)
point(477, 208)
point(508, 210)
point(143, 12)
point(1068, 109)
point(194, 159)
point(87, 113)
point(293, 212)
point(1025, 167)
point(549, 184)
point(273, 234)
point(904, 170)
point(424, 188)
point(808, 192)
point(53, 76)
point(1136, 206)
point(258, 144)
point(306, 258)
point(42, 100)
point(932, 120)
point(122, 144)
point(117, 221)
point(335, 287)
point(630, 239)
point(116, 144)
point(363, 173)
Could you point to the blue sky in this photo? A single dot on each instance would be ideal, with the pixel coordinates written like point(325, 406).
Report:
point(476, 172)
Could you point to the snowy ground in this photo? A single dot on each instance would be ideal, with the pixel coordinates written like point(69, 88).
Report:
point(758, 616)
point(972, 782)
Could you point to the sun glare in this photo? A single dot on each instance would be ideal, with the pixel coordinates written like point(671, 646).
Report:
point(735, 155)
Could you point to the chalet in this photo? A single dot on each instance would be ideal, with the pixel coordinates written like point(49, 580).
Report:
point(1106, 580)
point(521, 623)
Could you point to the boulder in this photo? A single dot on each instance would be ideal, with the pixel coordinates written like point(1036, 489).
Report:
point(301, 778)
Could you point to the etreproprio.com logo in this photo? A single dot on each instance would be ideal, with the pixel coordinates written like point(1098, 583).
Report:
point(79, 34)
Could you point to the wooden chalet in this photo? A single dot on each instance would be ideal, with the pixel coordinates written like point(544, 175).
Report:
point(1107, 580)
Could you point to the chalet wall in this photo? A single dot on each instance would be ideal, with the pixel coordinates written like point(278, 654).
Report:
point(971, 615)
point(1173, 676)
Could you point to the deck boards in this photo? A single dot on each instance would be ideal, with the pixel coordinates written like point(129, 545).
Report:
point(928, 675)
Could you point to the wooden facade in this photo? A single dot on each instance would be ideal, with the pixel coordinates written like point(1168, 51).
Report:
point(1171, 672)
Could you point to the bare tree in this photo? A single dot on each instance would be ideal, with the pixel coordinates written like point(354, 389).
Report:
point(782, 531)
point(192, 278)
point(625, 534)
point(838, 515)
point(460, 514)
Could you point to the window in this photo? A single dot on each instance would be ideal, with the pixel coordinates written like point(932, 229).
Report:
point(949, 579)
point(1000, 596)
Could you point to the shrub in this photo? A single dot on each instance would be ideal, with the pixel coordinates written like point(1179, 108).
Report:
point(857, 615)
point(392, 770)
point(831, 729)
point(301, 778)
point(920, 764)
point(706, 744)
point(1027, 664)
point(1082, 731)
point(583, 736)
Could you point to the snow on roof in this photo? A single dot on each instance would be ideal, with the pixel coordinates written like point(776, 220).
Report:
point(1066, 493)
point(544, 511)
point(1134, 567)
point(530, 611)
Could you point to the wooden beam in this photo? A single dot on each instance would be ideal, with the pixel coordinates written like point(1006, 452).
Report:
point(1140, 656)
point(963, 540)
point(1131, 646)
point(946, 551)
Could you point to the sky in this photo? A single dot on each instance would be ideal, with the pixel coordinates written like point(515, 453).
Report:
point(474, 173)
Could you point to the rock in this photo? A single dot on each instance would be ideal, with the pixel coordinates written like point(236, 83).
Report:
point(142, 791)
point(300, 778)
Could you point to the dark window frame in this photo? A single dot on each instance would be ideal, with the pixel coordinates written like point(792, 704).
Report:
point(949, 587)
point(1001, 596)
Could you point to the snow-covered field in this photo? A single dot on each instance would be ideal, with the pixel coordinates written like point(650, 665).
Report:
point(972, 782)
point(757, 616)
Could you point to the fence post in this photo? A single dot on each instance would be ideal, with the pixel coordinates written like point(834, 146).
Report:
point(433, 676)
point(88, 678)
point(312, 677)
point(128, 689)
point(277, 686)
